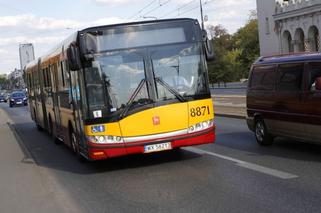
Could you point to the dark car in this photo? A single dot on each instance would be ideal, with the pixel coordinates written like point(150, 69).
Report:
point(17, 98)
point(284, 98)
point(2, 98)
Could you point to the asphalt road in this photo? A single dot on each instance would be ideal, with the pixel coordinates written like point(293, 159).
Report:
point(232, 175)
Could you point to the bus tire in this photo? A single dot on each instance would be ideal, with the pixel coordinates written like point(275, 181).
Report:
point(50, 126)
point(57, 141)
point(262, 136)
point(75, 146)
point(39, 128)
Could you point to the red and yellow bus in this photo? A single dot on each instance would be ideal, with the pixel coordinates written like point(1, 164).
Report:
point(122, 89)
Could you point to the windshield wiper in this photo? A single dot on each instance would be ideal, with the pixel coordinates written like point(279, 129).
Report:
point(170, 89)
point(131, 101)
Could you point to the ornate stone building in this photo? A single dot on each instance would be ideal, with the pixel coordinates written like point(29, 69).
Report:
point(292, 26)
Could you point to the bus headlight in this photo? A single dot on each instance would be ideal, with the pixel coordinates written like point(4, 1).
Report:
point(105, 139)
point(201, 126)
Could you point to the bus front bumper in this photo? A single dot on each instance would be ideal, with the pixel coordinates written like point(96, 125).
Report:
point(100, 152)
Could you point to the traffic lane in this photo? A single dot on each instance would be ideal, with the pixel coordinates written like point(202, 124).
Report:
point(236, 141)
point(17, 113)
point(164, 182)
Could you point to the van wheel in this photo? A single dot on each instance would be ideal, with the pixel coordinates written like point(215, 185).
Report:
point(262, 135)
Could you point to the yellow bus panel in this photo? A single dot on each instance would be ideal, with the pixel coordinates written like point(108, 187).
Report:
point(162, 119)
point(200, 110)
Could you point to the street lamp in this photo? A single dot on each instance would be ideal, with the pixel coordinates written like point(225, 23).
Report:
point(202, 18)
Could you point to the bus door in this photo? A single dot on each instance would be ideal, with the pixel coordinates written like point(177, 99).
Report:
point(42, 97)
point(76, 105)
point(55, 99)
point(38, 100)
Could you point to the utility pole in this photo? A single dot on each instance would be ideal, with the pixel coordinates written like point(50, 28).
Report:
point(202, 17)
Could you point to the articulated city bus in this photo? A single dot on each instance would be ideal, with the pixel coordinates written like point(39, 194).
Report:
point(122, 89)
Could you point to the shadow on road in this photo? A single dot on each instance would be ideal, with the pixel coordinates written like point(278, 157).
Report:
point(47, 154)
point(282, 147)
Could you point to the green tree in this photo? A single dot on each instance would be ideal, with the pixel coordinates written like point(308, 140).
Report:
point(246, 39)
point(234, 53)
point(3, 82)
point(225, 68)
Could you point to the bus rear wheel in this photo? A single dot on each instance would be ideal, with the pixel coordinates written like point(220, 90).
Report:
point(50, 126)
point(39, 128)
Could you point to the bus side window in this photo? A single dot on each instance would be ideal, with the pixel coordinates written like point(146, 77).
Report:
point(66, 74)
point(62, 74)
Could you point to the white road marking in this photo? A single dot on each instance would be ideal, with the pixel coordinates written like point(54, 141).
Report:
point(244, 164)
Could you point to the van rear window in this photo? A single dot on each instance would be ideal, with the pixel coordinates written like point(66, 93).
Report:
point(263, 78)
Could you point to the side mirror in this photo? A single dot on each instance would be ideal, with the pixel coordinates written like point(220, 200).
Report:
point(209, 48)
point(73, 58)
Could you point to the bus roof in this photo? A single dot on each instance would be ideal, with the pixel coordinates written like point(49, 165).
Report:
point(73, 37)
point(293, 57)
point(138, 23)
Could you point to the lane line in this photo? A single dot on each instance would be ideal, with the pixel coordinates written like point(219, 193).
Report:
point(244, 164)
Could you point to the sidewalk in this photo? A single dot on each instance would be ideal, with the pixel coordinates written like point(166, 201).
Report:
point(230, 106)
point(25, 187)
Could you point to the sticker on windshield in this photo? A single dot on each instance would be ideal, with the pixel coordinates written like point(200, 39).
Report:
point(113, 109)
point(96, 129)
point(97, 114)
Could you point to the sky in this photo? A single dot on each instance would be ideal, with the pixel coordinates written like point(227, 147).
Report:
point(45, 23)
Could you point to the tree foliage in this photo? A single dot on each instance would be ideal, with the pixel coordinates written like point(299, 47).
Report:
point(234, 53)
point(2, 80)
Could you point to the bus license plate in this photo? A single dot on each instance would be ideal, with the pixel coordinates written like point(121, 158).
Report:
point(158, 147)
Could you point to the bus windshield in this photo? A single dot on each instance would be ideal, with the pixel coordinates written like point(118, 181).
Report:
point(114, 78)
point(181, 68)
point(138, 69)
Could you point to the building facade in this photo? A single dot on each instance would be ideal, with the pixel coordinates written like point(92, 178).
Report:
point(16, 79)
point(26, 54)
point(289, 26)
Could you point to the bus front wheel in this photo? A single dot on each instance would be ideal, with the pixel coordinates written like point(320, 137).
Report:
point(75, 146)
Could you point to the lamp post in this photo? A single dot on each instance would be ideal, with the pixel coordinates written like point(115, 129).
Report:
point(202, 17)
